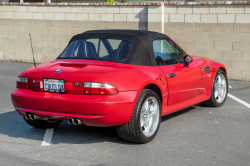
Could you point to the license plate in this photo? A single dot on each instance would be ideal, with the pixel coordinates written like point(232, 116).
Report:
point(53, 85)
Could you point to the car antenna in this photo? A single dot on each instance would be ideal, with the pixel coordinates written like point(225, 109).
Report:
point(32, 51)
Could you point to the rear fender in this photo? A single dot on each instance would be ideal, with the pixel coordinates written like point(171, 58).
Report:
point(163, 88)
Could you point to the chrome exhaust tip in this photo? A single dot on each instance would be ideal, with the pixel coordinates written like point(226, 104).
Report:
point(77, 121)
point(28, 117)
point(32, 117)
point(70, 121)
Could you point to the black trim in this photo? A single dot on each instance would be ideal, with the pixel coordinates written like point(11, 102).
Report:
point(141, 52)
point(171, 75)
point(180, 57)
point(207, 68)
point(170, 41)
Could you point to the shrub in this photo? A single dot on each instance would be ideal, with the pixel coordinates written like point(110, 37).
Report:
point(111, 1)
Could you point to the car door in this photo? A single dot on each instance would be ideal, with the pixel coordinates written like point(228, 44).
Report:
point(184, 82)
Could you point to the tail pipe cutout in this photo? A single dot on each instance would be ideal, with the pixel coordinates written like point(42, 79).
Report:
point(32, 116)
point(75, 121)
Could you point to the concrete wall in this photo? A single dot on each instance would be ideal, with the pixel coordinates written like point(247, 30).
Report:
point(51, 27)
point(220, 32)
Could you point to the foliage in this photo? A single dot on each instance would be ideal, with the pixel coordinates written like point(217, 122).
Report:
point(111, 1)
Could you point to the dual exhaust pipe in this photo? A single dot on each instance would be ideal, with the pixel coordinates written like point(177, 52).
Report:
point(75, 121)
point(30, 116)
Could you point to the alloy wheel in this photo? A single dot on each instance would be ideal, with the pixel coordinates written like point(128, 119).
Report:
point(149, 116)
point(220, 88)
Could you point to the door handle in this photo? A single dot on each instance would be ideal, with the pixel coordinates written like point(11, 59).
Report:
point(171, 75)
point(207, 68)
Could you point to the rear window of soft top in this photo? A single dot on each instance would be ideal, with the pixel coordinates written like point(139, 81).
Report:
point(99, 49)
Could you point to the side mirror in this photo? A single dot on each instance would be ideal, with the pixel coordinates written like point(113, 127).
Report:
point(187, 59)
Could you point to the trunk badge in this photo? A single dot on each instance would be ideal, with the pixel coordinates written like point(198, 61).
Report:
point(78, 83)
point(58, 70)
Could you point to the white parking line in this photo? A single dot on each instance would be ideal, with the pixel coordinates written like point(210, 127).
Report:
point(47, 137)
point(239, 100)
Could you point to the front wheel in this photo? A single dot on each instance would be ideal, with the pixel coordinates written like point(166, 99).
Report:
point(219, 90)
point(145, 121)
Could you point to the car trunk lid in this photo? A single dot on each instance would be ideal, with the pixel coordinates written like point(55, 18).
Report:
point(72, 72)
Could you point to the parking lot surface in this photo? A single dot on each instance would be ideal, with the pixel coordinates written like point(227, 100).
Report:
point(197, 135)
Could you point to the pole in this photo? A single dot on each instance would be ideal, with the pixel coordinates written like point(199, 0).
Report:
point(162, 17)
point(32, 52)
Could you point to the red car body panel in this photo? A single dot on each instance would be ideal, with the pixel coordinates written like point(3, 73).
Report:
point(186, 83)
point(92, 110)
point(115, 109)
point(192, 84)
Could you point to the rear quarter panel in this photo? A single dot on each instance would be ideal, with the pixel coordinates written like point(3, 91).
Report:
point(135, 78)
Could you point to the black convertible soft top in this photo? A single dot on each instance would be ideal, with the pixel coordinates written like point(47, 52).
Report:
point(141, 53)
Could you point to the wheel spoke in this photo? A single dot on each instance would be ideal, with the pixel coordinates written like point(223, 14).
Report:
point(147, 123)
point(149, 116)
point(216, 93)
point(146, 106)
point(216, 85)
point(144, 110)
point(155, 108)
point(223, 82)
point(220, 93)
point(219, 98)
point(142, 117)
point(219, 80)
point(142, 123)
point(151, 109)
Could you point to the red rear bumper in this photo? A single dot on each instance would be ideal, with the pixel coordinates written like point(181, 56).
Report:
point(93, 110)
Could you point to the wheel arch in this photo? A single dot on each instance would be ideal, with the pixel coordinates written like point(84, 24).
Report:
point(155, 88)
point(215, 66)
point(224, 69)
point(212, 101)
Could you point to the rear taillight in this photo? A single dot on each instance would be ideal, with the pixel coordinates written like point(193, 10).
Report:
point(93, 88)
point(22, 82)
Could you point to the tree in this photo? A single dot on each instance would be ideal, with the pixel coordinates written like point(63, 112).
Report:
point(111, 1)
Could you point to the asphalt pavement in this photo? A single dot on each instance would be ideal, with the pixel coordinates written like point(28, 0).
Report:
point(195, 136)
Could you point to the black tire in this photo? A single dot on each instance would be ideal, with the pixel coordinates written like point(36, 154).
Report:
point(212, 101)
point(132, 131)
point(43, 123)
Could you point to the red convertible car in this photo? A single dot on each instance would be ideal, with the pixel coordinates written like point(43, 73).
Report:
point(122, 78)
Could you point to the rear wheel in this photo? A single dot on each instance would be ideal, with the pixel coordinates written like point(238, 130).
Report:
point(219, 90)
point(50, 123)
point(145, 121)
